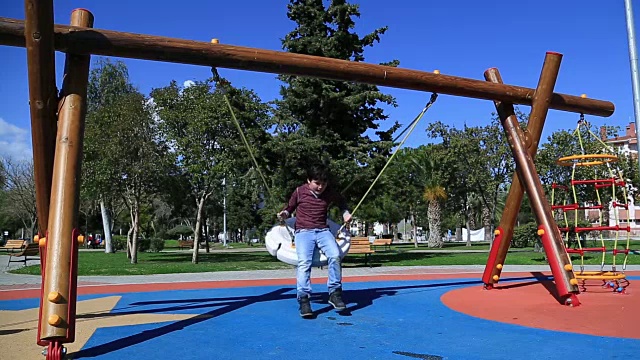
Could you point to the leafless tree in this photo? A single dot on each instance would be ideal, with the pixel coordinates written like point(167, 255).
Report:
point(20, 192)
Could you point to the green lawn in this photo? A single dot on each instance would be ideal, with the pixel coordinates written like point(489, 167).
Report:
point(173, 245)
point(99, 263)
point(482, 245)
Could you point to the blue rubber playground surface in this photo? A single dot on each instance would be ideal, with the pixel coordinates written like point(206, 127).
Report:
point(384, 320)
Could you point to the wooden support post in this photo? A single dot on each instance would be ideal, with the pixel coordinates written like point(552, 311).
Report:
point(138, 46)
point(539, 109)
point(56, 320)
point(566, 283)
point(43, 100)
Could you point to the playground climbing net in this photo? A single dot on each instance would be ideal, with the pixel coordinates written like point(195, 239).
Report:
point(605, 218)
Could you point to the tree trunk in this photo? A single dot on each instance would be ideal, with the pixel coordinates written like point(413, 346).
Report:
point(129, 237)
point(32, 230)
point(468, 225)
point(135, 217)
point(206, 235)
point(106, 226)
point(434, 213)
point(394, 232)
point(215, 231)
point(196, 233)
point(413, 226)
point(486, 222)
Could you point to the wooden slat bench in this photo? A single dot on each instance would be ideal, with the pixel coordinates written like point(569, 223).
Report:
point(12, 246)
point(385, 243)
point(361, 245)
point(29, 250)
point(185, 244)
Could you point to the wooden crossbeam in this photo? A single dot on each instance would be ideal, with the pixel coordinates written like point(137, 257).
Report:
point(87, 41)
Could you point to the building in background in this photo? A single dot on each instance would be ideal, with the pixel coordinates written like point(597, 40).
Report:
point(627, 145)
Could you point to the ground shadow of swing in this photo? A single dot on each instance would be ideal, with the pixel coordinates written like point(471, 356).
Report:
point(540, 279)
point(355, 300)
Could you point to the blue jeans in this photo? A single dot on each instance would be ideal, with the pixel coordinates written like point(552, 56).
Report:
point(308, 241)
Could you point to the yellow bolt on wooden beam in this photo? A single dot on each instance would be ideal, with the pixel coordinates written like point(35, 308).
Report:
point(55, 297)
point(499, 266)
point(42, 242)
point(496, 277)
point(54, 320)
point(573, 281)
point(584, 96)
point(80, 239)
point(215, 41)
point(497, 232)
point(540, 232)
point(436, 72)
point(568, 267)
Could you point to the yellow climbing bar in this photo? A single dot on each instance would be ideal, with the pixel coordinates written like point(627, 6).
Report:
point(596, 159)
point(599, 275)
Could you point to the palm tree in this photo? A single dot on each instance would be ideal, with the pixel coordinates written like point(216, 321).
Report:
point(433, 192)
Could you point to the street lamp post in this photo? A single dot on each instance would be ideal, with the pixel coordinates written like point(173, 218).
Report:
point(633, 59)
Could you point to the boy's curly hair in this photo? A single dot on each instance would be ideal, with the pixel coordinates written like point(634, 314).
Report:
point(318, 172)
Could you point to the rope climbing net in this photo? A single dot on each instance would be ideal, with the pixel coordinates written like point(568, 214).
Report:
point(608, 192)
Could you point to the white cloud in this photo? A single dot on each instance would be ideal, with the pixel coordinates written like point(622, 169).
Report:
point(188, 83)
point(15, 142)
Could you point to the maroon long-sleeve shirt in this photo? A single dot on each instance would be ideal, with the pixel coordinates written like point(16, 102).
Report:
point(311, 209)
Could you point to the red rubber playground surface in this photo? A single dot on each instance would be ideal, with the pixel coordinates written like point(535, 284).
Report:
point(398, 316)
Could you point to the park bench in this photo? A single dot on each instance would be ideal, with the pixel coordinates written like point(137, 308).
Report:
point(29, 250)
point(12, 246)
point(361, 245)
point(185, 244)
point(385, 243)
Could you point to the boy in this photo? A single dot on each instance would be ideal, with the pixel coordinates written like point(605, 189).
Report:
point(311, 202)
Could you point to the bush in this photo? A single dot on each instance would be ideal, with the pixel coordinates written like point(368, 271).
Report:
point(144, 244)
point(119, 242)
point(183, 230)
point(525, 235)
point(157, 244)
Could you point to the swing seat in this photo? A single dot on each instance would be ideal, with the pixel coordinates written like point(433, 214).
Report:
point(280, 244)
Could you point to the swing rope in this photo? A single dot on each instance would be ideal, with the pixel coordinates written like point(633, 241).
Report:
point(410, 128)
point(216, 78)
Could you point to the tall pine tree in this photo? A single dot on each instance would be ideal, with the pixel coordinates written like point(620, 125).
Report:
point(330, 121)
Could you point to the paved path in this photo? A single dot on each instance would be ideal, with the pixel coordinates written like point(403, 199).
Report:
point(7, 279)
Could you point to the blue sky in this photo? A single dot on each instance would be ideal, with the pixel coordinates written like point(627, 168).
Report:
point(461, 38)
